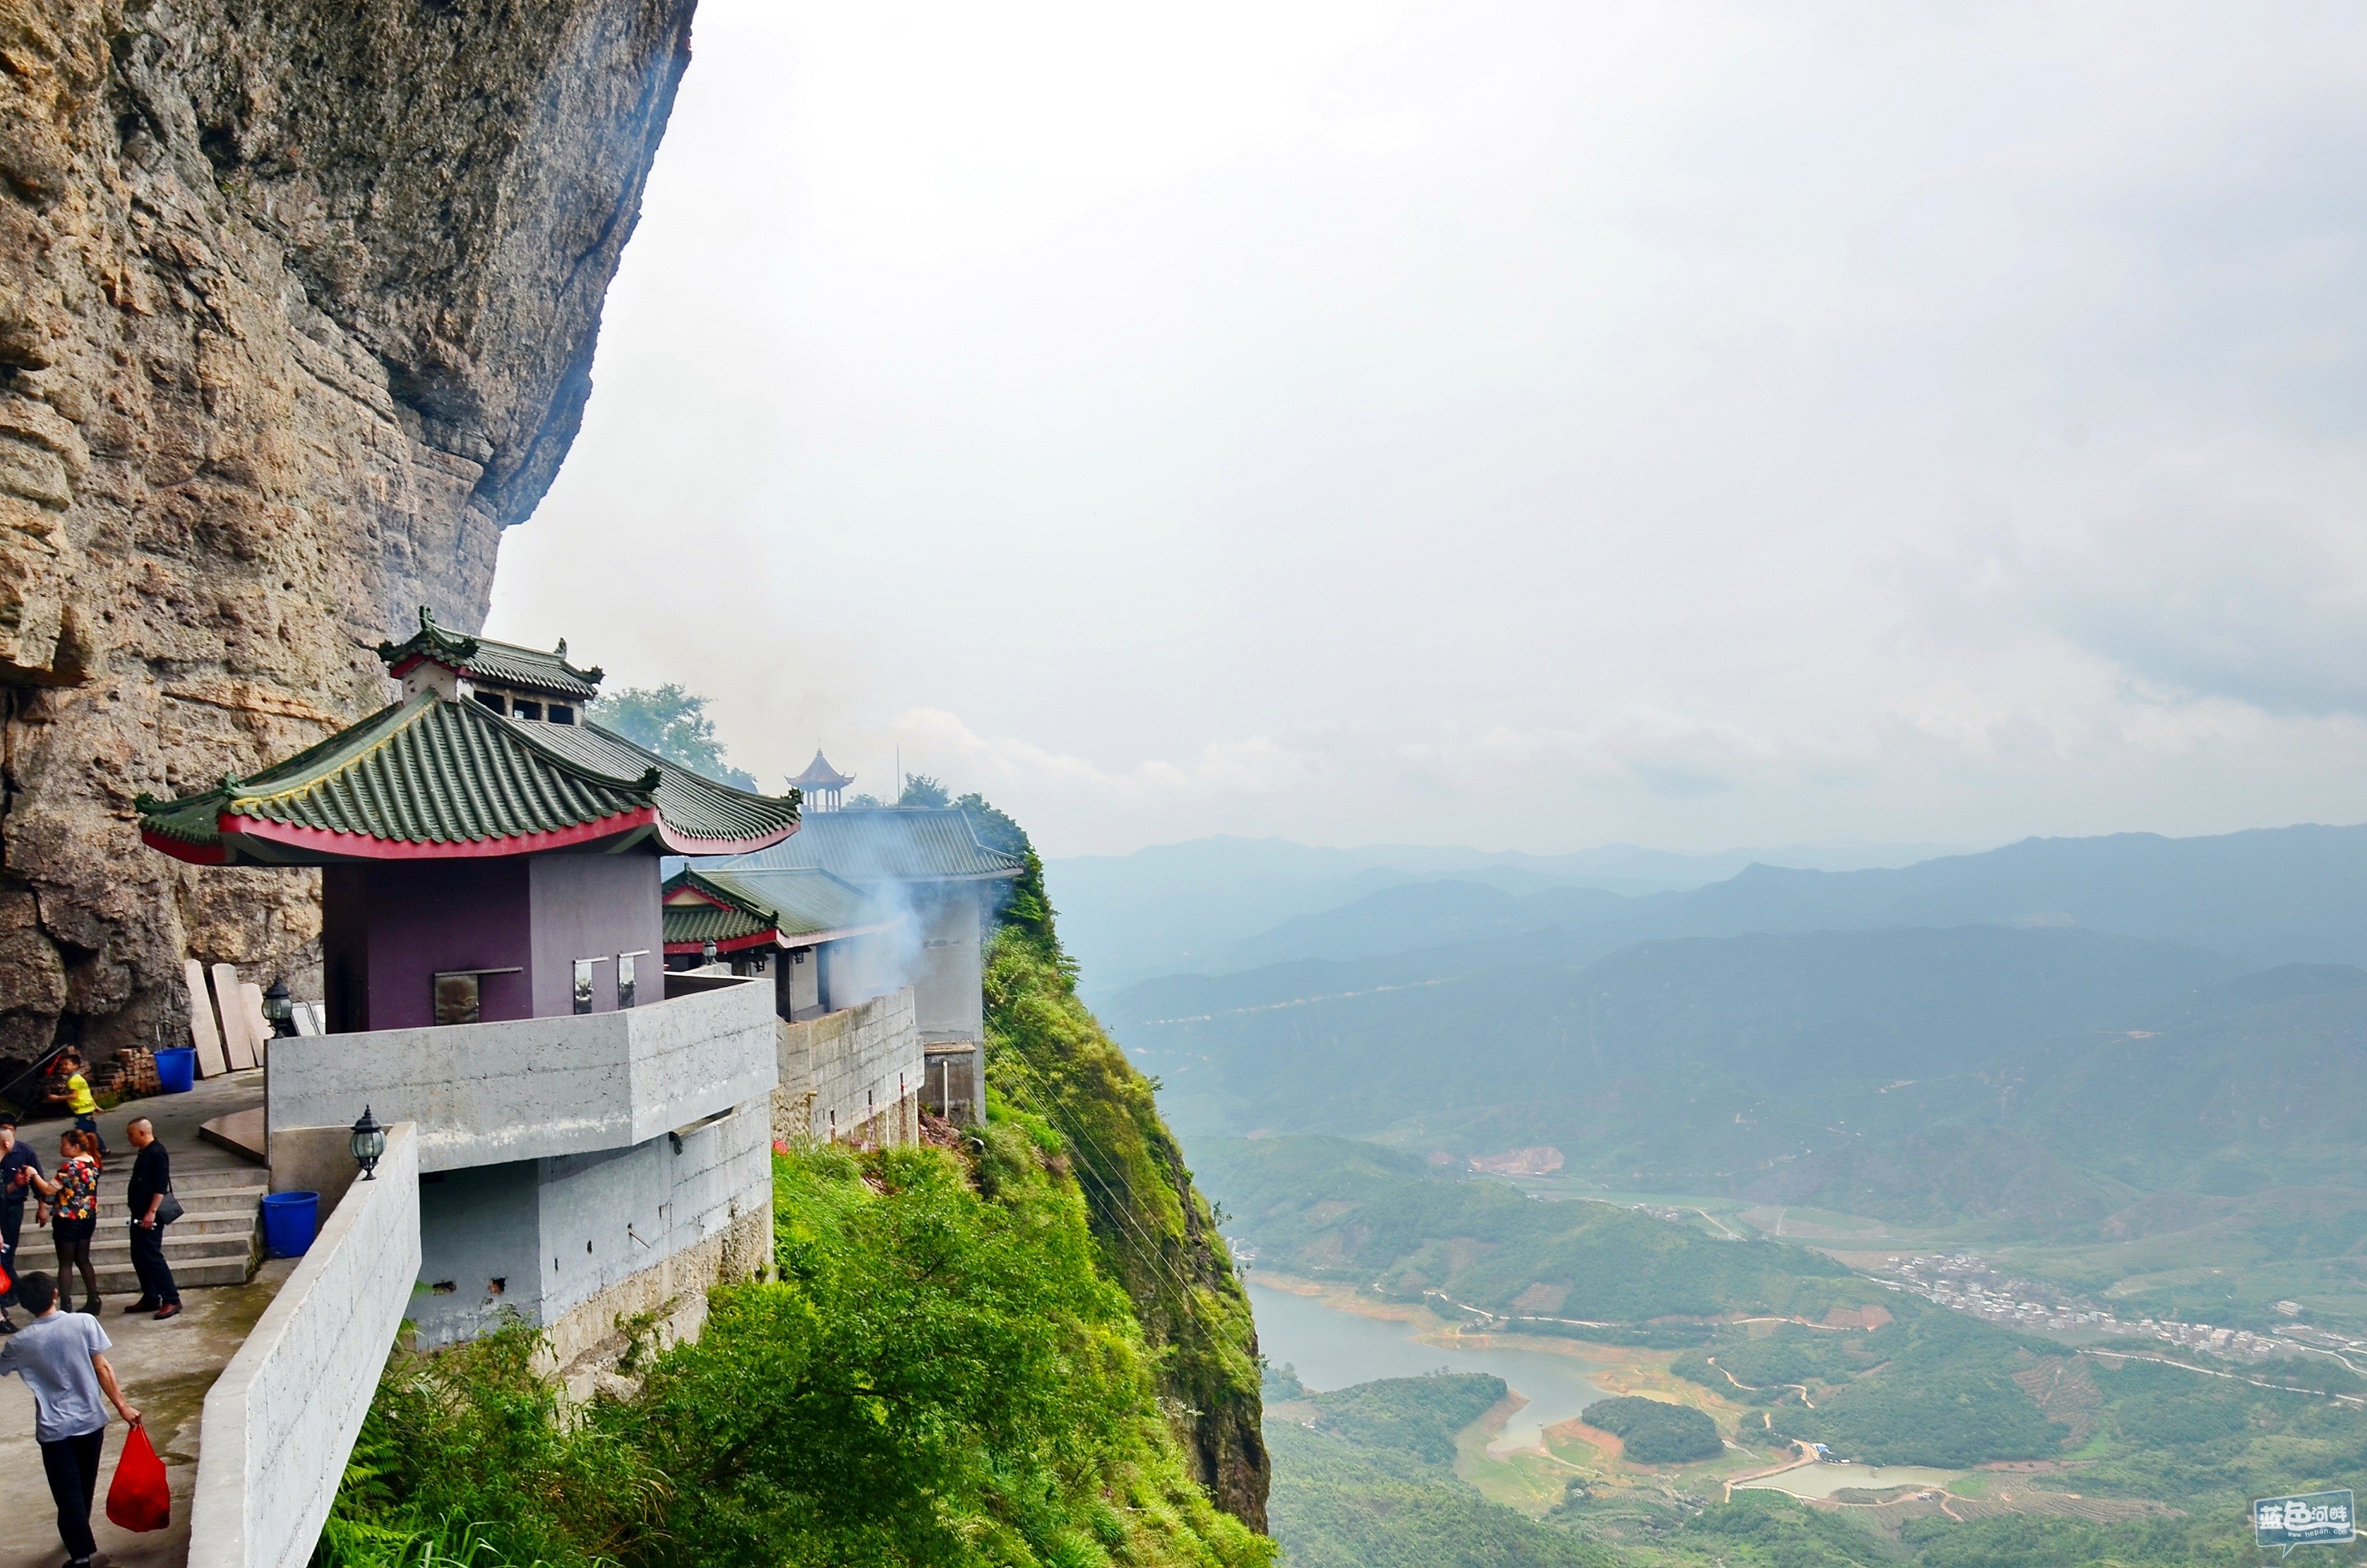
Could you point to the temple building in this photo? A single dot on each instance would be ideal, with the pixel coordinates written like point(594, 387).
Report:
point(929, 864)
point(820, 784)
point(852, 1063)
point(591, 1133)
point(826, 943)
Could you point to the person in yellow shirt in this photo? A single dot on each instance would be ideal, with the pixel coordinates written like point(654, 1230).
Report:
point(79, 1100)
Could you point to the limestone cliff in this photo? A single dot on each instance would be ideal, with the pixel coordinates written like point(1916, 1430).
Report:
point(298, 300)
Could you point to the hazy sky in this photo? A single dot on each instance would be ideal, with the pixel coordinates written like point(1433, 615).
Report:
point(1527, 425)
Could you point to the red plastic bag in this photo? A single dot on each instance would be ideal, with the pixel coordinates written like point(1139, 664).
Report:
point(138, 1499)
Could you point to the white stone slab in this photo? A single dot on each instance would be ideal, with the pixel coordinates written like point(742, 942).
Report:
point(204, 1032)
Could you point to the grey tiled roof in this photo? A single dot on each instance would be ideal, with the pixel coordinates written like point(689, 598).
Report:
point(883, 844)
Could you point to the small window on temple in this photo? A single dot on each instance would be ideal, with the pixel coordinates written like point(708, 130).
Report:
point(562, 714)
point(491, 699)
point(524, 709)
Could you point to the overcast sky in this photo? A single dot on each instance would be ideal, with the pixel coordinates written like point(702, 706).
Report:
point(1523, 425)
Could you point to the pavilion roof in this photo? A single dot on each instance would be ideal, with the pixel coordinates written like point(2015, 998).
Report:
point(889, 843)
point(820, 774)
point(499, 663)
point(428, 779)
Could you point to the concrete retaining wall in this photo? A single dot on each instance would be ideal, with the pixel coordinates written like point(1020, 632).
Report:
point(854, 1074)
point(281, 1420)
point(528, 1089)
point(544, 1238)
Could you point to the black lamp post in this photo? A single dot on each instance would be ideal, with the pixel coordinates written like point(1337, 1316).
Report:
point(279, 1010)
point(368, 1144)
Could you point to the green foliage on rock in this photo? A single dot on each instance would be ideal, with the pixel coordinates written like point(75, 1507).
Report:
point(941, 1375)
point(1655, 1431)
point(1050, 1064)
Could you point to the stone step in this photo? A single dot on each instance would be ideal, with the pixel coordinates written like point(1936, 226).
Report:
point(115, 1209)
point(219, 1179)
point(106, 1251)
point(197, 1222)
point(123, 1283)
point(176, 1240)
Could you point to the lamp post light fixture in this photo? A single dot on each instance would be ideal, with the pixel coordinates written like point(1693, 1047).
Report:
point(278, 1010)
point(368, 1144)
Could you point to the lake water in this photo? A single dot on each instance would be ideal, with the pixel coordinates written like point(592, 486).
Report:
point(1330, 1349)
point(1824, 1480)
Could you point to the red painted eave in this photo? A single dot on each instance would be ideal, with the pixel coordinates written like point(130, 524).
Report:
point(196, 854)
point(684, 845)
point(737, 944)
point(332, 845)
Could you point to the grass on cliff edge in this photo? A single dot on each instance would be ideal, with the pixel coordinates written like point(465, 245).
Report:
point(941, 1375)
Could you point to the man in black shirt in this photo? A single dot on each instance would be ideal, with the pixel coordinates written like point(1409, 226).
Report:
point(14, 1160)
point(151, 1178)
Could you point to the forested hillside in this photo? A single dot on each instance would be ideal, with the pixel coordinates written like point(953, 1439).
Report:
point(2047, 1080)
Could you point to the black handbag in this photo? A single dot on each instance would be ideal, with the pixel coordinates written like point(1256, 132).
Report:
point(168, 1208)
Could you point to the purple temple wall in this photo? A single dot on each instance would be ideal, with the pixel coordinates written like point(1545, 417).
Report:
point(386, 929)
point(595, 906)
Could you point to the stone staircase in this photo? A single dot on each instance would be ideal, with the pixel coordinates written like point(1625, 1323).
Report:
point(216, 1241)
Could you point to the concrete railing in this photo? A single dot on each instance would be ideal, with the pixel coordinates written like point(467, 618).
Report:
point(530, 1088)
point(280, 1421)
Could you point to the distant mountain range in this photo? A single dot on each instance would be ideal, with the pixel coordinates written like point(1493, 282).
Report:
point(1201, 905)
point(2043, 1036)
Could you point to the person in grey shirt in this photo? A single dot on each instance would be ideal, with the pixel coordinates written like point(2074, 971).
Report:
point(63, 1358)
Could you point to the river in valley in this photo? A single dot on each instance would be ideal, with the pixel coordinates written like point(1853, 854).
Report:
point(1332, 1348)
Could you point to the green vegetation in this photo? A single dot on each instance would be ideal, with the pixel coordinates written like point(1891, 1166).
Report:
point(1051, 1064)
point(673, 723)
point(1414, 1416)
point(1333, 1208)
point(1653, 1431)
point(1339, 1506)
point(1761, 1528)
point(941, 1375)
point(1931, 1387)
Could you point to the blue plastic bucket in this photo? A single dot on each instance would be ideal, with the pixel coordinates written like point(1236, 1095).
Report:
point(177, 1070)
point(290, 1220)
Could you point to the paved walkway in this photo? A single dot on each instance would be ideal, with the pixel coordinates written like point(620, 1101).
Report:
point(165, 1368)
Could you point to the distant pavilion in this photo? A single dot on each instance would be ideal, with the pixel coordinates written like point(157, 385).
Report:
point(821, 783)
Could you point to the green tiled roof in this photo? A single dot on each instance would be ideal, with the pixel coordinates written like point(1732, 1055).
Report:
point(695, 925)
point(498, 663)
point(428, 777)
point(804, 903)
point(792, 903)
point(694, 806)
point(884, 844)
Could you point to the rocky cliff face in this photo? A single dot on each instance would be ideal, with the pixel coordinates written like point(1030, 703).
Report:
point(298, 300)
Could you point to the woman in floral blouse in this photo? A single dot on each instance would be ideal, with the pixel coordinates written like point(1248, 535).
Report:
point(73, 1201)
